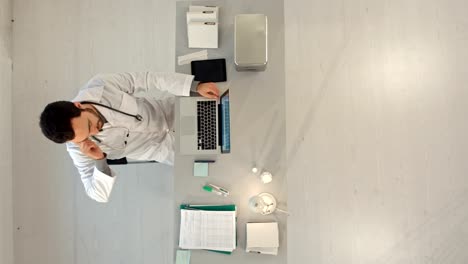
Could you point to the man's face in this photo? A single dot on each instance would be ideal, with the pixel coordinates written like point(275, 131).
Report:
point(85, 125)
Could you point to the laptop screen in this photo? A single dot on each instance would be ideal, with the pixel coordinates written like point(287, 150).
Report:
point(225, 123)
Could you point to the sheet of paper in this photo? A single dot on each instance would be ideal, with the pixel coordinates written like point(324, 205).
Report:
point(200, 169)
point(188, 58)
point(193, 8)
point(202, 16)
point(215, 230)
point(183, 257)
point(202, 35)
point(262, 235)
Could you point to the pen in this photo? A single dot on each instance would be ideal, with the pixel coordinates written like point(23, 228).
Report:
point(205, 161)
point(226, 192)
point(209, 188)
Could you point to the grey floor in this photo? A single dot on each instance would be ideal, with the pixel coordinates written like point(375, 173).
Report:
point(375, 131)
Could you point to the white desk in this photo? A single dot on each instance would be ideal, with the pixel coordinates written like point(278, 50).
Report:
point(257, 131)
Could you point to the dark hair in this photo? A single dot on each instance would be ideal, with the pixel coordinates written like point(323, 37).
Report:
point(55, 121)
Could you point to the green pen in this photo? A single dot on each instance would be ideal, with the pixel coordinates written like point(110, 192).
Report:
point(226, 192)
point(211, 189)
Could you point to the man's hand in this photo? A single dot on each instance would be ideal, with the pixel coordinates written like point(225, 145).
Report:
point(208, 90)
point(90, 149)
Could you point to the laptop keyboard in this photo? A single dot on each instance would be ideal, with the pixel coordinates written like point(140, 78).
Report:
point(206, 122)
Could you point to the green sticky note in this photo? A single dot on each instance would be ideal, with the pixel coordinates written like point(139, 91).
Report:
point(200, 169)
point(183, 257)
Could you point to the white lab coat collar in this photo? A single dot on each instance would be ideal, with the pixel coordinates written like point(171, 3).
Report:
point(94, 94)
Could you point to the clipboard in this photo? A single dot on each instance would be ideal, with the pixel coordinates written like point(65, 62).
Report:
point(223, 207)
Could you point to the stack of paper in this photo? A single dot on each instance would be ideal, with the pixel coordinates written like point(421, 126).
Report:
point(212, 230)
point(202, 27)
point(262, 238)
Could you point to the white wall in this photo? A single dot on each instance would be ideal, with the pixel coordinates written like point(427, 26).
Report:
point(6, 210)
point(58, 46)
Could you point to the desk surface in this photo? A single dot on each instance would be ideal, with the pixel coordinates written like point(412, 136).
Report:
point(257, 131)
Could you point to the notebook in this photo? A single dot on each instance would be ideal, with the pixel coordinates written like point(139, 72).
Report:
point(262, 238)
point(211, 230)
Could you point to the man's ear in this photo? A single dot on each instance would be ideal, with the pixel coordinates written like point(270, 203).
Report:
point(78, 104)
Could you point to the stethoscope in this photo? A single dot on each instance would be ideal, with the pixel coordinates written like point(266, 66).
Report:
point(138, 117)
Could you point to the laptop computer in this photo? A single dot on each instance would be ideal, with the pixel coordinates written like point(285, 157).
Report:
point(203, 125)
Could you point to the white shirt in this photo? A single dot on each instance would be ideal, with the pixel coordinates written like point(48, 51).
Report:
point(125, 136)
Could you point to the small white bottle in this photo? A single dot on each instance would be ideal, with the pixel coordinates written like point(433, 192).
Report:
point(266, 177)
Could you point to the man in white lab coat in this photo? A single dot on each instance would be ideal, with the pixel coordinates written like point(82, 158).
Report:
point(105, 121)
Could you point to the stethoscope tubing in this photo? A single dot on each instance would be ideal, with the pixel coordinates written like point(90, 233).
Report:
point(137, 116)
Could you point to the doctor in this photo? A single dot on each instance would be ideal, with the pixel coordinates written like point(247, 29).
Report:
point(105, 120)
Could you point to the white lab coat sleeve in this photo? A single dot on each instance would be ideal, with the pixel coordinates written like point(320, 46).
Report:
point(175, 83)
point(97, 184)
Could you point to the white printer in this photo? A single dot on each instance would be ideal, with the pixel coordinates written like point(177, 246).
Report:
point(250, 42)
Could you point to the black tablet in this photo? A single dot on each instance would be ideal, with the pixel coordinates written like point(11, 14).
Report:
point(209, 70)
